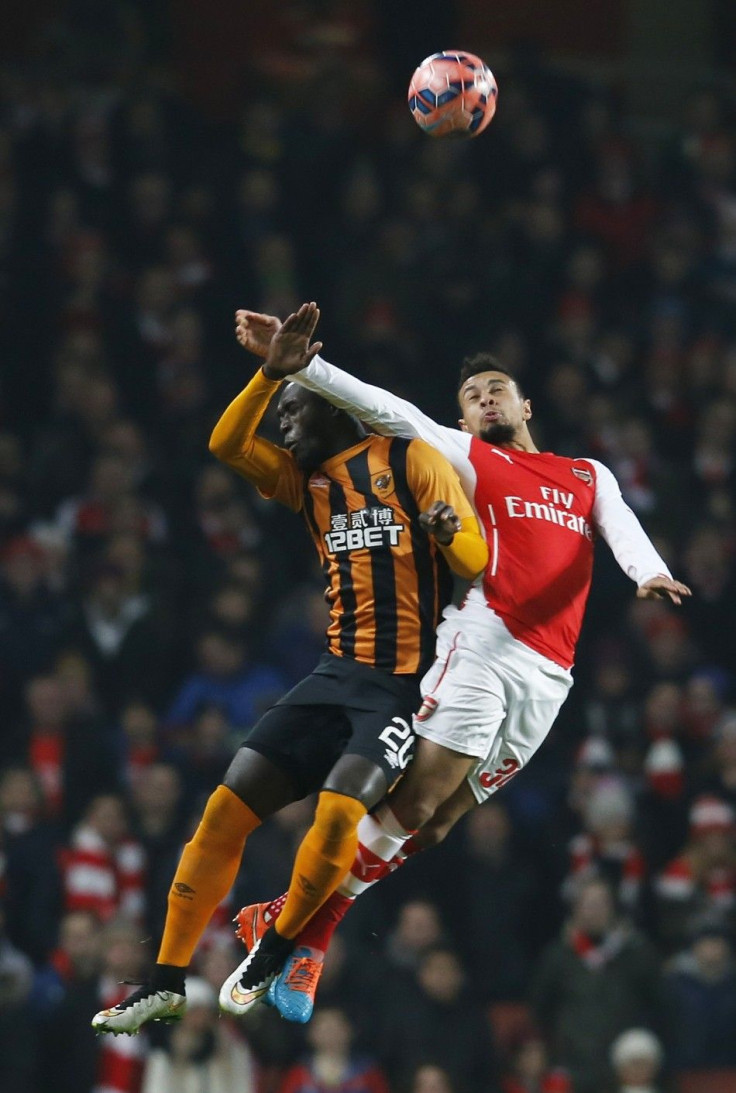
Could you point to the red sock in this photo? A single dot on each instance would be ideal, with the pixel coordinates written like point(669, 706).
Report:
point(276, 906)
point(318, 932)
point(410, 847)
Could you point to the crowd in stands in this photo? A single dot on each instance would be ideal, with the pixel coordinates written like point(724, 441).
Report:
point(577, 933)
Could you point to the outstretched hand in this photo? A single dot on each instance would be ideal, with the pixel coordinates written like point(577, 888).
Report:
point(663, 588)
point(255, 331)
point(290, 350)
point(441, 521)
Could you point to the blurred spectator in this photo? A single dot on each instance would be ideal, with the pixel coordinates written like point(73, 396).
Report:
point(606, 848)
point(720, 775)
point(204, 750)
point(298, 636)
point(30, 889)
point(418, 928)
point(103, 869)
point(224, 520)
point(138, 740)
point(702, 877)
point(530, 1070)
point(495, 896)
point(17, 1032)
point(613, 712)
point(601, 977)
point(227, 680)
point(661, 813)
point(709, 566)
point(75, 958)
point(32, 618)
point(101, 510)
point(428, 1078)
point(332, 1064)
point(200, 1052)
point(594, 761)
point(701, 993)
point(705, 693)
point(69, 754)
point(73, 673)
point(617, 212)
point(74, 1058)
point(156, 814)
point(636, 1057)
point(432, 1017)
point(125, 637)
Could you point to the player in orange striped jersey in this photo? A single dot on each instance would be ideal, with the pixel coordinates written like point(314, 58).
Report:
point(389, 520)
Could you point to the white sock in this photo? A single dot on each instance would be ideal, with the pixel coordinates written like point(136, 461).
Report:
point(380, 838)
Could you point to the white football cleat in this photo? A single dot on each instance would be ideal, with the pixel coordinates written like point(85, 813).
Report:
point(250, 981)
point(142, 1006)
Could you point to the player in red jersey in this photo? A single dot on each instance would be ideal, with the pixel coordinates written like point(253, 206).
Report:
point(503, 661)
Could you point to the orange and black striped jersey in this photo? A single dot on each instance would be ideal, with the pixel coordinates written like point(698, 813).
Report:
point(387, 580)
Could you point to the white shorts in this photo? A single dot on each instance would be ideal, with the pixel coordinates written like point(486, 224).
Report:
point(489, 696)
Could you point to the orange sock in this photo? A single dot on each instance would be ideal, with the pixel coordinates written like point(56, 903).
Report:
point(324, 857)
point(206, 873)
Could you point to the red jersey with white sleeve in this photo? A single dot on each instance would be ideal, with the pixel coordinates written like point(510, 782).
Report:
point(540, 513)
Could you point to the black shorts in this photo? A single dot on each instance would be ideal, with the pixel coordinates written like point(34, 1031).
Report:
point(342, 708)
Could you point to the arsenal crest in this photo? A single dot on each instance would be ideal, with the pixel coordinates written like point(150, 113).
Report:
point(583, 474)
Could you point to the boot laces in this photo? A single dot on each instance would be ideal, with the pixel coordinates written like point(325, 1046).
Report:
point(304, 975)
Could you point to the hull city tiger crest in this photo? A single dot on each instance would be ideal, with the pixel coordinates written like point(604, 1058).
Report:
point(583, 474)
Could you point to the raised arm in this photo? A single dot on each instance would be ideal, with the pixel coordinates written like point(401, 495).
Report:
point(386, 413)
point(631, 546)
point(270, 469)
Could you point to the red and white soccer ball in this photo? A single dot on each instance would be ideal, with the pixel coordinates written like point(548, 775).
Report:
point(453, 94)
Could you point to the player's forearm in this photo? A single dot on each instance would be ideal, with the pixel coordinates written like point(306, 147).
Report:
point(386, 413)
point(234, 442)
point(619, 526)
point(235, 432)
point(467, 554)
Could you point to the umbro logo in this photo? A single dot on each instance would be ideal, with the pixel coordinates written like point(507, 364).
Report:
point(319, 480)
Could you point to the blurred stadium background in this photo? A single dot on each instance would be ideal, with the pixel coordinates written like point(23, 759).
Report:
point(164, 163)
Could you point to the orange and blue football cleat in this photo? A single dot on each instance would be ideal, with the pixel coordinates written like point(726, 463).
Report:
point(293, 992)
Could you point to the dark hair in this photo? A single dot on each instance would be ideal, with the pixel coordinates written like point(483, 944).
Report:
point(485, 362)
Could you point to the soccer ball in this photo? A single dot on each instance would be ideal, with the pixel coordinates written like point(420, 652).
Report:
point(453, 94)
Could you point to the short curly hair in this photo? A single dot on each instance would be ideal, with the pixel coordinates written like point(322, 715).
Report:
point(485, 362)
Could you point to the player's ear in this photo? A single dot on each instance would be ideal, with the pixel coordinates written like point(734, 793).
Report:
point(527, 410)
point(463, 426)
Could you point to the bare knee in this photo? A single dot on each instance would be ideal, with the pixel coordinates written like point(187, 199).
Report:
point(415, 806)
point(439, 825)
point(432, 781)
point(337, 816)
point(432, 833)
